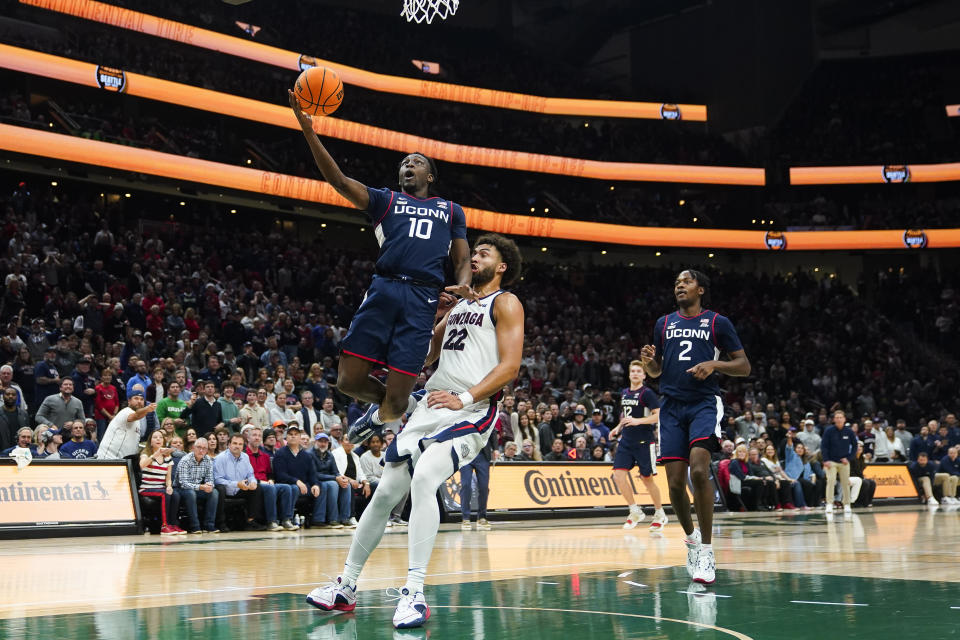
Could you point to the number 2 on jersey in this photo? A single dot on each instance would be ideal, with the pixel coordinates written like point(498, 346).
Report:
point(421, 228)
point(687, 346)
point(455, 339)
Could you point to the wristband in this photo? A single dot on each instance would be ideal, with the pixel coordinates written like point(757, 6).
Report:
point(466, 398)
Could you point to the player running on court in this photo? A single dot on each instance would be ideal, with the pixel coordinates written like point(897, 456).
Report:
point(684, 355)
point(639, 414)
point(479, 344)
point(392, 327)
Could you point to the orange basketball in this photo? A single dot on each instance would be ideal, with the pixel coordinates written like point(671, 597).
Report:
point(319, 91)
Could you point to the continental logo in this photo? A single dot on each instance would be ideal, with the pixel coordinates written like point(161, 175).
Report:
point(111, 79)
point(914, 239)
point(896, 173)
point(542, 486)
point(79, 492)
point(306, 62)
point(894, 480)
point(775, 240)
point(669, 111)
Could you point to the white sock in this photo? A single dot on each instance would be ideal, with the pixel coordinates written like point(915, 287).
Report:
point(635, 508)
point(351, 572)
point(706, 547)
point(415, 577)
point(376, 417)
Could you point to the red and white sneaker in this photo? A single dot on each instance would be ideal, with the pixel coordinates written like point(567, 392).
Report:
point(659, 521)
point(634, 518)
point(334, 596)
point(168, 530)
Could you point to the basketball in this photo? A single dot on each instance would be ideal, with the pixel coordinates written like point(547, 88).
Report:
point(319, 91)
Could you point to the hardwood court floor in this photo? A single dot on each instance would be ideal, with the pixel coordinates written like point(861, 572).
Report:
point(880, 573)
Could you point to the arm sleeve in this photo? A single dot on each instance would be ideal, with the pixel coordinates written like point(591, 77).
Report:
point(458, 222)
point(379, 201)
point(658, 335)
point(218, 472)
point(42, 414)
point(727, 338)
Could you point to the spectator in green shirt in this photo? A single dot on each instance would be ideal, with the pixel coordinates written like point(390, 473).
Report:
point(171, 407)
point(229, 409)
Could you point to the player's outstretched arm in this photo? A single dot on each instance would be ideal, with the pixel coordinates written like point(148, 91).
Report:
point(508, 313)
point(447, 302)
point(460, 257)
point(352, 190)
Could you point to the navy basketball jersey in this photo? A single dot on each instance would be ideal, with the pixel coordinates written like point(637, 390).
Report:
point(683, 342)
point(638, 403)
point(414, 235)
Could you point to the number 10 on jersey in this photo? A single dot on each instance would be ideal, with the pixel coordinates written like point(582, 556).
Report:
point(421, 228)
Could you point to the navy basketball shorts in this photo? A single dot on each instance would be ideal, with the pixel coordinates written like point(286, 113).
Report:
point(641, 454)
point(684, 425)
point(393, 325)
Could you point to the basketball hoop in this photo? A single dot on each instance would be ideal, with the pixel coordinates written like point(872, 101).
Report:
point(426, 10)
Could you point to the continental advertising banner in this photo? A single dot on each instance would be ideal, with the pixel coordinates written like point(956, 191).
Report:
point(60, 493)
point(893, 480)
point(559, 485)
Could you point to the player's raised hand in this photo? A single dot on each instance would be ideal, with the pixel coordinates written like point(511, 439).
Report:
point(648, 353)
point(703, 370)
point(445, 303)
point(462, 290)
point(302, 117)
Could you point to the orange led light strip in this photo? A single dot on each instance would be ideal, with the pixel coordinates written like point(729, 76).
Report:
point(81, 150)
point(890, 173)
point(204, 38)
point(91, 75)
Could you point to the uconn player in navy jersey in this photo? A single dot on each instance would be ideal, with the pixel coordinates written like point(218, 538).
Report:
point(685, 356)
point(639, 414)
point(394, 323)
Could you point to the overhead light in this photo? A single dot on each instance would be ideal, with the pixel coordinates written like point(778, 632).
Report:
point(323, 225)
point(658, 253)
point(683, 202)
point(763, 222)
point(51, 125)
point(585, 124)
point(249, 161)
point(612, 187)
point(533, 209)
point(546, 210)
point(363, 228)
point(233, 210)
point(543, 248)
point(709, 255)
point(182, 203)
point(126, 195)
point(53, 183)
point(604, 252)
point(694, 219)
point(754, 221)
point(815, 269)
point(631, 264)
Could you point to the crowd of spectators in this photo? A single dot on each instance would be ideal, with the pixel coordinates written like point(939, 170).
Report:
point(853, 125)
point(115, 340)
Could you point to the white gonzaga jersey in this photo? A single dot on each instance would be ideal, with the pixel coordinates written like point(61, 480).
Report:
point(469, 351)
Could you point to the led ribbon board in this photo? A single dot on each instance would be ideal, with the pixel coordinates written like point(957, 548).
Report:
point(889, 173)
point(81, 150)
point(135, 84)
point(204, 38)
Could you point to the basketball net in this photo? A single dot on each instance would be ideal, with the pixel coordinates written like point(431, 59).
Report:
point(426, 10)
